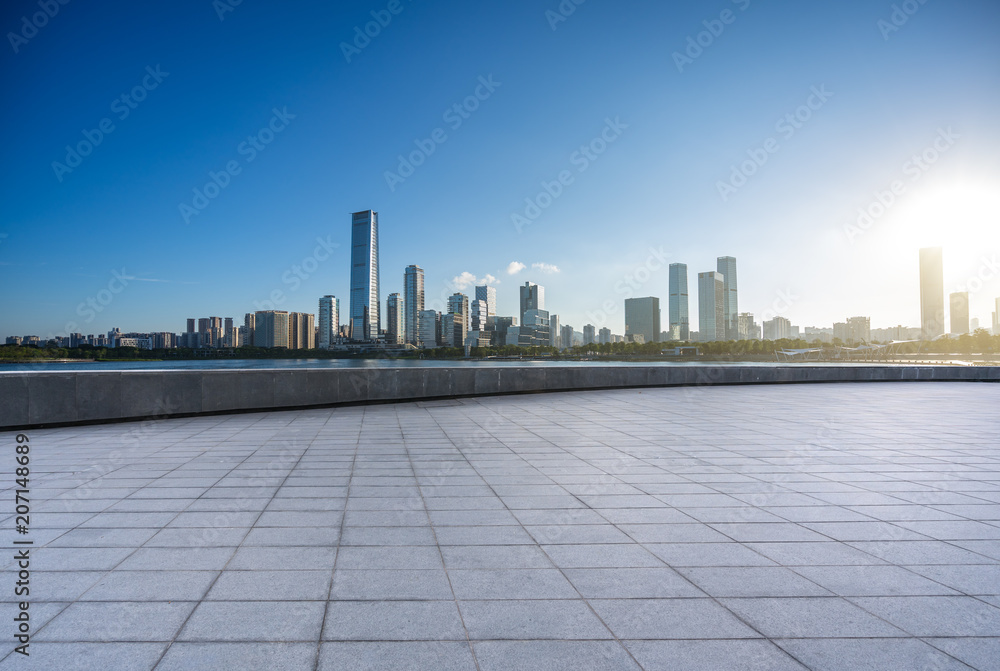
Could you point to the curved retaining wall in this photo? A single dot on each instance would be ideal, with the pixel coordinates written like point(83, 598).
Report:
point(77, 397)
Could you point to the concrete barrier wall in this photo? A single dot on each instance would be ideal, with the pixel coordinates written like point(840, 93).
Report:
point(52, 399)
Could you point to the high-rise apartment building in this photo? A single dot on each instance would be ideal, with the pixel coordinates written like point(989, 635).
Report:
point(554, 330)
point(642, 317)
point(746, 328)
point(329, 321)
point(711, 295)
point(271, 328)
point(859, 329)
point(726, 266)
point(777, 329)
point(958, 302)
point(604, 336)
point(589, 334)
point(301, 330)
point(931, 293)
point(394, 319)
point(565, 336)
point(413, 303)
point(365, 297)
point(532, 298)
point(679, 300)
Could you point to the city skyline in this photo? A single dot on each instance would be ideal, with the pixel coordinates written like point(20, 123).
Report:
point(889, 148)
point(717, 300)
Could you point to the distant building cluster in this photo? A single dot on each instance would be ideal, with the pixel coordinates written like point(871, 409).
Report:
point(472, 320)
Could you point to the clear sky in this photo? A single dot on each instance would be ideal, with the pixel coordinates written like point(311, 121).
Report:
point(664, 184)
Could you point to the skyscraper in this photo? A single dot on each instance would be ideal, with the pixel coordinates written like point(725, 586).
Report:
point(458, 305)
point(931, 293)
point(589, 334)
point(413, 303)
point(642, 317)
point(394, 319)
point(477, 315)
point(711, 294)
point(365, 297)
point(532, 298)
point(726, 266)
point(329, 321)
point(554, 330)
point(959, 304)
point(679, 299)
point(487, 293)
point(429, 329)
point(249, 320)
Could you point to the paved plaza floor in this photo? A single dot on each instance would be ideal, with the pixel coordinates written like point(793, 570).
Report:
point(823, 526)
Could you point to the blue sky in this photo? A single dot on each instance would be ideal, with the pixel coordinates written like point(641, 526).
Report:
point(651, 197)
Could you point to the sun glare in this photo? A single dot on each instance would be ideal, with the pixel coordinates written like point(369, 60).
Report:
point(955, 216)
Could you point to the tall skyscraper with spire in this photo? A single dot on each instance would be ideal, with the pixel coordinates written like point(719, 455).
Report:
point(726, 266)
point(679, 300)
point(413, 303)
point(365, 318)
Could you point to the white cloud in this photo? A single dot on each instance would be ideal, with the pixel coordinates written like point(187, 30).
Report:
point(546, 268)
point(515, 267)
point(467, 279)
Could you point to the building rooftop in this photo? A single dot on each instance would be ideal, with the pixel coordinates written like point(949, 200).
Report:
point(825, 526)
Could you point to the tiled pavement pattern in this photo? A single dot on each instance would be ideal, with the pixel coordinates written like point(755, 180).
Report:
point(849, 526)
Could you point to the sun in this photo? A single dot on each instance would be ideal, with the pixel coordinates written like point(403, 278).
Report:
point(955, 216)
